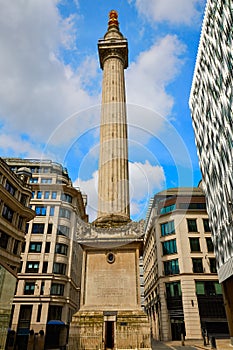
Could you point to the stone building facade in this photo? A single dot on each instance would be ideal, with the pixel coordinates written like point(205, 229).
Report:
point(182, 292)
point(48, 288)
point(15, 195)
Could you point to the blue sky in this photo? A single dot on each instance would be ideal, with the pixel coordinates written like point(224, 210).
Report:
point(50, 91)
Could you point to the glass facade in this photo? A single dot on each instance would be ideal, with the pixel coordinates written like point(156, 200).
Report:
point(168, 228)
point(211, 97)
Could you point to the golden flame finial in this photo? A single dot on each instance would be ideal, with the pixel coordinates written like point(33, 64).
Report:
point(113, 18)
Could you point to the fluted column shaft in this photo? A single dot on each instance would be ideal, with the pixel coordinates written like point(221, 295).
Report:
point(113, 186)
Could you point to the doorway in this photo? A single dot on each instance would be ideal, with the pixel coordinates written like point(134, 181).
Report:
point(109, 334)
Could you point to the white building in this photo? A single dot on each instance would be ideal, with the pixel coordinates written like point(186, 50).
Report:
point(211, 103)
point(48, 288)
point(182, 293)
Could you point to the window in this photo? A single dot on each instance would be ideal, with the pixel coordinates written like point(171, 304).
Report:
point(55, 312)
point(190, 206)
point(50, 228)
point(206, 225)
point(54, 195)
point(66, 198)
point(35, 247)
point(63, 230)
point(57, 289)
point(16, 246)
point(20, 223)
point(39, 195)
point(213, 268)
point(173, 289)
point(46, 180)
point(29, 288)
point(64, 213)
point(23, 199)
point(197, 265)
point(208, 288)
point(33, 194)
point(171, 267)
point(194, 244)
point(167, 228)
point(39, 313)
point(42, 288)
point(38, 228)
point(51, 212)
point(10, 188)
point(34, 180)
point(40, 210)
point(7, 213)
point(47, 247)
point(45, 267)
point(210, 246)
point(23, 247)
point(46, 195)
point(61, 249)
point(167, 209)
point(200, 288)
point(32, 266)
point(4, 238)
point(169, 247)
point(192, 225)
point(59, 268)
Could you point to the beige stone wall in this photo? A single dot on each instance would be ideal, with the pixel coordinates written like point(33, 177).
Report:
point(111, 285)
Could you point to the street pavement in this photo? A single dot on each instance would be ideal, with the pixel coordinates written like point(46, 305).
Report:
point(158, 345)
point(221, 344)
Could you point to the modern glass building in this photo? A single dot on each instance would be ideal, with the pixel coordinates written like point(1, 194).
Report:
point(211, 104)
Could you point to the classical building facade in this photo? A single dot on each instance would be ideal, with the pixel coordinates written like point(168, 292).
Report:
point(182, 293)
point(211, 104)
point(15, 195)
point(48, 288)
point(110, 314)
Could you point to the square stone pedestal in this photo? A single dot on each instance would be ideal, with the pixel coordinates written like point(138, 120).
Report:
point(109, 330)
point(110, 315)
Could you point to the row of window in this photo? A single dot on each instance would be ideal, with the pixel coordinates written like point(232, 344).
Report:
point(25, 314)
point(207, 288)
point(36, 247)
point(169, 247)
point(39, 228)
point(51, 195)
point(12, 190)
point(4, 242)
point(168, 228)
point(56, 288)
point(171, 267)
point(33, 267)
point(41, 210)
point(45, 180)
point(11, 216)
point(186, 206)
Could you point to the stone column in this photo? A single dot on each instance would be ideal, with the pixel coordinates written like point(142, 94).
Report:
point(113, 187)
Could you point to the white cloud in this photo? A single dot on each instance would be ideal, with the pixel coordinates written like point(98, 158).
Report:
point(147, 79)
point(145, 180)
point(173, 11)
point(14, 145)
point(90, 187)
point(38, 91)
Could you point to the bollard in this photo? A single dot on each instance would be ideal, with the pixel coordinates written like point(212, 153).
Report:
point(182, 339)
point(213, 343)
